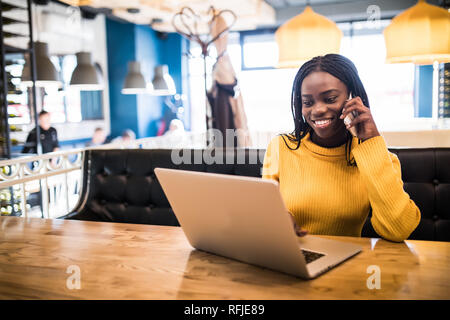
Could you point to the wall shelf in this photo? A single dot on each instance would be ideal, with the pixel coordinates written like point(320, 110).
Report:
point(9, 21)
point(9, 6)
point(11, 94)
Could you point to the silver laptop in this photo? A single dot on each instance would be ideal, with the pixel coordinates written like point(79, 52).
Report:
point(244, 218)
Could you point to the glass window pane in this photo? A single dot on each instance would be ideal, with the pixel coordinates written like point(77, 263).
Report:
point(54, 103)
point(390, 87)
point(260, 51)
point(267, 99)
point(267, 92)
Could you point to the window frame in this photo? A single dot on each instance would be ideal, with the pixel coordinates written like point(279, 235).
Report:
point(247, 33)
point(350, 32)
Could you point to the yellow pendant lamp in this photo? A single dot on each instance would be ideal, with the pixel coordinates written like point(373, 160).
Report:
point(420, 34)
point(305, 36)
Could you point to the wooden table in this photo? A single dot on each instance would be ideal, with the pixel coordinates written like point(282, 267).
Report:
point(130, 261)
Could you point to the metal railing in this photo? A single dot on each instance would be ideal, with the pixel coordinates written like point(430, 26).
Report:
point(58, 172)
point(53, 179)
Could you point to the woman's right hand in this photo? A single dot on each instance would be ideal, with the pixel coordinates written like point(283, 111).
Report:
point(298, 231)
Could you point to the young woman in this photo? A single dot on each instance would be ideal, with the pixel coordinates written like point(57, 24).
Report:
point(329, 179)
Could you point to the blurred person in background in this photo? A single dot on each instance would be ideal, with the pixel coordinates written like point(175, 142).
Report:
point(176, 127)
point(48, 136)
point(176, 136)
point(98, 138)
point(126, 139)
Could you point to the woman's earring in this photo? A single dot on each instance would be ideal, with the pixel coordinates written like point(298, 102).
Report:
point(303, 119)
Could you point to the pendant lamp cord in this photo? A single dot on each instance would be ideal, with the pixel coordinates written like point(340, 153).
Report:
point(81, 24)
point(83, 28)
point(38, 25)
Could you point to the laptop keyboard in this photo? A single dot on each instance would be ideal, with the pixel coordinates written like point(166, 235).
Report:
point(310, 256)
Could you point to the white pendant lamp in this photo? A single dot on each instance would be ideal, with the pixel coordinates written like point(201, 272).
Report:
point(135, 81)
point(306, 36)
point(46, 74)
point(420, 34)
point(163, 84)
point(85, 76)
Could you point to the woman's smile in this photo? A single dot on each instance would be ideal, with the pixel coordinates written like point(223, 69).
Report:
point(322, 123)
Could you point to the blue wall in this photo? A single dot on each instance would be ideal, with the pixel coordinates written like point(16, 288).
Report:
point(149, 53)
point(174, 49)
point(120, 41)
point(423, 91)
point(127, 42)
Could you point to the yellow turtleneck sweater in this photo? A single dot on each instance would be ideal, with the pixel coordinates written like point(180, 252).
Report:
point(328, 197)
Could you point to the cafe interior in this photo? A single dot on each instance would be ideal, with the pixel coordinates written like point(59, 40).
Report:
point(96, 94)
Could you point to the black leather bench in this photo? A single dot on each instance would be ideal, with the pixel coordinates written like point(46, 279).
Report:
point(121, 186)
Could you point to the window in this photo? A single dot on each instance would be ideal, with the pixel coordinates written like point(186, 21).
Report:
point(267, 91)
point(17, 95)
point(254, 43)
point(390, 87)
point(91, 102)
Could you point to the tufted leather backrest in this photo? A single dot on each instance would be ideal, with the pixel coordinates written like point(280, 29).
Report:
point(121, 186)
point(426, 178)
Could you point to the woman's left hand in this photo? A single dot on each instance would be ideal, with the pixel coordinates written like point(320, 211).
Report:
point(364, 123)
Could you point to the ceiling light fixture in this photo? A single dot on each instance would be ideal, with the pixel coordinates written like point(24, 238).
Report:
point(85, 76)
point(419, 35)
point(306, 36)
point(135, 81)
point(46, 74)
point(163, 84)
